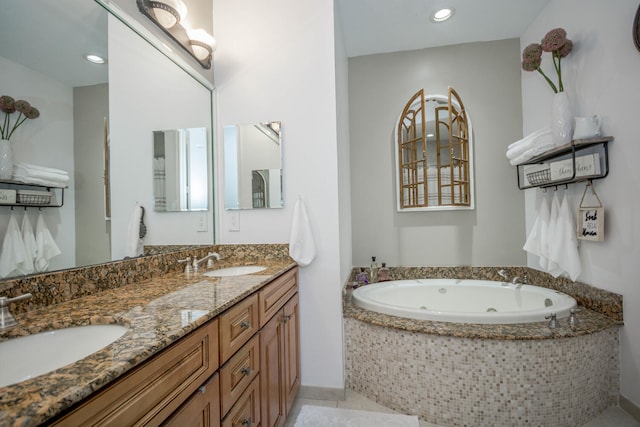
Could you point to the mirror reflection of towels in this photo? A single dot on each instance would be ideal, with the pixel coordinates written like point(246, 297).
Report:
point(47, 247)
point(302, 246)
point(30, 245)
point(12, 256)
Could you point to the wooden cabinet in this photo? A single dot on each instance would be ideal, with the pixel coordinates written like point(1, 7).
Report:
point(150, 393)
point(280, 360)
point(256, 384)
point(202, 408)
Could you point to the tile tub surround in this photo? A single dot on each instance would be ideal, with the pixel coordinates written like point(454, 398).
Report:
point(158, 311)
point(591, 297)
point(454, 381)
point(468, 374)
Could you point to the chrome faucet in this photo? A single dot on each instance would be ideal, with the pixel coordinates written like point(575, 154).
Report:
point(505, 276)
point(7, 321)
point(208, 258)
point(187, 262)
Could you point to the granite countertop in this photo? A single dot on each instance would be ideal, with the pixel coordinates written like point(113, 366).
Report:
point(589, 322)
point(157, 311)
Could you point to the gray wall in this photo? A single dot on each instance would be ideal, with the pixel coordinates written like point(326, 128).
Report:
point(90, 107)
point(487, 77)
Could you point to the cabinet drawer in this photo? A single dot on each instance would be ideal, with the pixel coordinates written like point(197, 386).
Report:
point(246, 411)
point(154, 390)
point(238, 372)
point(273, 296)
point(202, 408)
point(237, 325)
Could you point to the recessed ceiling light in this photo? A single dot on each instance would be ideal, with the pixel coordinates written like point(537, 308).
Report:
point(95, 59)
point(442, 15)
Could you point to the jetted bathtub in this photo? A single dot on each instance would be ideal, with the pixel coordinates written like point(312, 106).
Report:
point(463, 301)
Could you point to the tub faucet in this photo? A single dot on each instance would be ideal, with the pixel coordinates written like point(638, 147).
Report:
point(503, 274)
point(553, 322)
point(208, 258)
point(7, 321)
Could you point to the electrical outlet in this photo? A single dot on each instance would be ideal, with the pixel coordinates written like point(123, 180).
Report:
point(201, 224)
point(234, 221)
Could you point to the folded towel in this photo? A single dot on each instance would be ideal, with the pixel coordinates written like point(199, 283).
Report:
point(47, 248)
point(528, 142)
point(39, 181)
point(39, 172)
point(30, 246)
point(564, 250)
point(302, 246)
point(12, 256)
point(134, 241)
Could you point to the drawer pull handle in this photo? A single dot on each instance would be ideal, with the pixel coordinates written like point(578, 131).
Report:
point(245, 324)
point(245, 371)
point(246, 422)
point(286, 318)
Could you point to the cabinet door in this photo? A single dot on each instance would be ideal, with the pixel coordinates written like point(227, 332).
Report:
point(201, 410)
point(291, 353)
point(246, 411)
point(272, 373)
point(237, 373)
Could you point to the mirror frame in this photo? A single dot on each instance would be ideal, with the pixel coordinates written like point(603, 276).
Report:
point(443, 99)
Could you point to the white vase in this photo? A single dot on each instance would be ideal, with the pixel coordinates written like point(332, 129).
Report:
point(6, 159)
point(561, 119)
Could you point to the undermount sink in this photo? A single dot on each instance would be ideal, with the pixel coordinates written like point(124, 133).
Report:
point(235, 271)
point(33, 355)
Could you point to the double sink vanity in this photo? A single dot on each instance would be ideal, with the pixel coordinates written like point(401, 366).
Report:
point(216, 348)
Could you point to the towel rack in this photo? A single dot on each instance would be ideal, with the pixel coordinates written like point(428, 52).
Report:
point(15, 186)
point(558, 166)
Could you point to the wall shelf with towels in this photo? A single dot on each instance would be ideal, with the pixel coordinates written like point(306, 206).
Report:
point(580, 160)
point(16, 193)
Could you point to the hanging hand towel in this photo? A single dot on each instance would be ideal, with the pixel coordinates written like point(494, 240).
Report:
point(565, 250)
point(12, 257)
point(302, 247)
point(47, 248)
point(544, 233)
point(552, 265)
point(30, 246)
point(134, 241)
point(534, 243)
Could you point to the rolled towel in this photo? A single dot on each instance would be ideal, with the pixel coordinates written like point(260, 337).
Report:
point(531, 153)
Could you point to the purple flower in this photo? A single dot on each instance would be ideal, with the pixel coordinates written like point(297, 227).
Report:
point(532, 53)
point(554, 40)
point(564, 50)
point(7, 104)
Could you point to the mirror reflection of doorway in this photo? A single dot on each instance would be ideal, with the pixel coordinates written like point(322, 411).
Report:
point(258, 186)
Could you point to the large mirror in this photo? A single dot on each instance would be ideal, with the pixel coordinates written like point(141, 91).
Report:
point(253, 166)
point(180, 170)
point(91, 112)
point(434, 154)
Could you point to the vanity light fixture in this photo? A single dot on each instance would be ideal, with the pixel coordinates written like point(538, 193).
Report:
point(202, 43)
point(96, 59)
point(168, 12)
point(442, 15)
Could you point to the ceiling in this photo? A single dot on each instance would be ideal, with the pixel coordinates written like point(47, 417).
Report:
point(378, 26)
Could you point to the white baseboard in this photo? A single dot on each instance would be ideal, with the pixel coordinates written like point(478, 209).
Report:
point(321, 393)
point(630, 407)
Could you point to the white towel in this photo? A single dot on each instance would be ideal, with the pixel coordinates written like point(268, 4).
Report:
point(47, 248)
point(41, 172)
point(564, 250)
point(39, 181)
point(544, 233)
point(30, 246)
point(530, 141)
point(12, 256)
point(552, 266)
point(534, 243)
point(134, 242)
point(302, 246)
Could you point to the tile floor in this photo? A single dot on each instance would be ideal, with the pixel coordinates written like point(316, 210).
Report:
point(612, 417)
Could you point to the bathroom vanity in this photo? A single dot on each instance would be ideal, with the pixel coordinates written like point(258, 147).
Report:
point(199, 350)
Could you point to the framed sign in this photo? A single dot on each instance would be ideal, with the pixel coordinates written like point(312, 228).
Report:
point(590, 219)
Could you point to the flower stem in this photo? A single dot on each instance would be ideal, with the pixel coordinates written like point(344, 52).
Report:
point(555, 89)
point(17, 123)
point(559, 69)
point(5, 130)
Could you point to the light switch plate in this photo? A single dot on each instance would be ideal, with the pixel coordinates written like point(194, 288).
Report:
point(234, 221)
point(201, 225)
